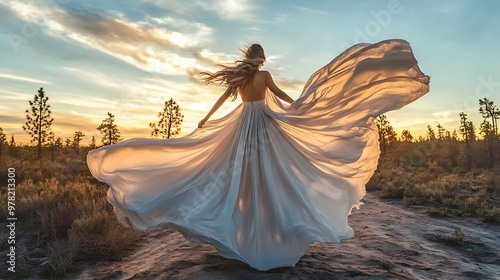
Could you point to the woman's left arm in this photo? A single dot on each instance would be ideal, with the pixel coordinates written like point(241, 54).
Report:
point(216, 106)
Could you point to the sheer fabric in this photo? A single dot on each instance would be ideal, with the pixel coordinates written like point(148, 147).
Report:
point(268, 178)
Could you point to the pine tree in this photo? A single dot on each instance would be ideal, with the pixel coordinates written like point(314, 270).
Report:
point(453, 146)
point(440, 131)
point(488, 110)
point(406, 136)
point(77, 137)
point(170, 121)
point(92, 143)
point(488, 133)
point(3, 140)
point(386, 132)
point(68, 143)
point(38, 120)
point(51, 142)
point(12, 146)
point(58, 145)
point(431, 135)
point(111, 134)
point(12, 142)
point(471, 130)
point(467, 131)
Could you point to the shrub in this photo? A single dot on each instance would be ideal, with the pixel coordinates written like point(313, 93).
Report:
point(384, 264)
point(437, 212)
point(456, 237)
point(61, 254)
point(100, 234)
point(390, 190)
point(488, 213)
point(23, 266)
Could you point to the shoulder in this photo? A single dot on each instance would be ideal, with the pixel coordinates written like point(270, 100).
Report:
point(264, 73)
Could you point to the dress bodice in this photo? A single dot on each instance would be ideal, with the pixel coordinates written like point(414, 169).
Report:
point(255, 103)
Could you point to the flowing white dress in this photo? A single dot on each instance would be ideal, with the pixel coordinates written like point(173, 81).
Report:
point(268, 179)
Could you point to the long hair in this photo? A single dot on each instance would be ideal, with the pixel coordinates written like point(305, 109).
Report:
point(238, 76)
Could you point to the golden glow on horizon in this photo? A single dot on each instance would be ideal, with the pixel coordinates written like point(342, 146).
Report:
point(136, 125)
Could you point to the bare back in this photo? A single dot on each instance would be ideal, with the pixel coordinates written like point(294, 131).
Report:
point(255, 89)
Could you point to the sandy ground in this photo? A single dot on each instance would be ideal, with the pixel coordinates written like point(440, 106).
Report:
point(390, 242)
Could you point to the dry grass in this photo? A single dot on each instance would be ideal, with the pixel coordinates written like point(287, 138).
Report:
point(385, 265)
point(457, 237)
point(61, 254)
point(23, 267)
point(99, 234)
point(474, 193)
point(64, 211)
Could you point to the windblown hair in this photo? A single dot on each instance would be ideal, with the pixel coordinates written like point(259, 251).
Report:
point(238, 76)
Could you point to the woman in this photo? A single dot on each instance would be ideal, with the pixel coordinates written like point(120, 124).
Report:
point(246, 79)
point(268, 178)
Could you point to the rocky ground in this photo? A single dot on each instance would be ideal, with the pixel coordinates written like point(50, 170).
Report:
point(391, 242)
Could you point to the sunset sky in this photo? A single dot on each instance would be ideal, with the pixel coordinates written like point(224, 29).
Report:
point(129, 57)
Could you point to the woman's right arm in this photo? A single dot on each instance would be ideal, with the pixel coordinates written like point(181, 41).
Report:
point(275, 89)
point(216, 106)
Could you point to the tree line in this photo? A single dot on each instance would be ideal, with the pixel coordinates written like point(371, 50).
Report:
point(39, 121)
point(474, 148)
point(467, 144)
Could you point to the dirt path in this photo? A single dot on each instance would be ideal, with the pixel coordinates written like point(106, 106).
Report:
point(390, 242)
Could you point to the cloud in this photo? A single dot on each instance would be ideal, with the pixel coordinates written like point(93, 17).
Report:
point(15, 95)
point(313, 11)
point(74, 100)
point(94, 77)
point(215, 58)
point(21, 78)
point(234, 9)
point(102, 28)
point(170, 49)
point(142, 44)
point(454, 9)
point(167, 45)
point(11, 120)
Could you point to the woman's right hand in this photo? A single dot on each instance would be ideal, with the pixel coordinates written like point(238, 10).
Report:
point(202, 122)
